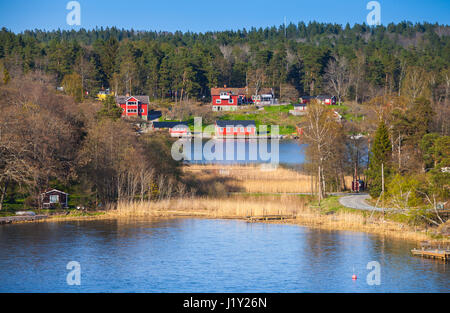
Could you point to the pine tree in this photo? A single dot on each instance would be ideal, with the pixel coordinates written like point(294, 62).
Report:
point(380, 156)
point(110, 110)
point(6, 76)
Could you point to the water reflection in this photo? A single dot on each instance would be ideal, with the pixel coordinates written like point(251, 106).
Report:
point(188, 255)
point(244, 151)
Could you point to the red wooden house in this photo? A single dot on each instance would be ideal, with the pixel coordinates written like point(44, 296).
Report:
point(228, 99)
point(134, 106)
point(235, 128)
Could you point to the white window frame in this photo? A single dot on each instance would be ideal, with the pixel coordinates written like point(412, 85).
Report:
point(52, 199)
point(231, 101)
point(218, 101)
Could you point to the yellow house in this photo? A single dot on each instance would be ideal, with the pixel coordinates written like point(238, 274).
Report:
point(103, 94)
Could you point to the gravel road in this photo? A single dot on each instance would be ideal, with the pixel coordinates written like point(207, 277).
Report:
point(358, 202)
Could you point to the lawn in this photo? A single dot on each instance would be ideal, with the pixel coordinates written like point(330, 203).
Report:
point(274, 115)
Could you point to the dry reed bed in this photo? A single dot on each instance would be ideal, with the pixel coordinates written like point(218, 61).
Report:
point(256, 178)
point(236, 207)
point(241, 208)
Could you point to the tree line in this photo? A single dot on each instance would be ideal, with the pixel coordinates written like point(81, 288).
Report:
point(47, 140)
point(354, 63)
point(405, 158)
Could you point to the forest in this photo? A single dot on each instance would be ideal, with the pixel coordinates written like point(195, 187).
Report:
point(396, 76)
point(353, 62)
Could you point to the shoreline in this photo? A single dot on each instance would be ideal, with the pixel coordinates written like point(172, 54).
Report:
point(388, 229)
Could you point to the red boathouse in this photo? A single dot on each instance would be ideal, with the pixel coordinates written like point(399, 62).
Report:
point(235, 128)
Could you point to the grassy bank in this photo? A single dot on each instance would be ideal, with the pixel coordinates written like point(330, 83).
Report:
point(297, 210)
point(239, 192)
point(273, 115)
point(300, 209)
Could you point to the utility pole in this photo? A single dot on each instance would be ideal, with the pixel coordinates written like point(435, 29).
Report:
point(382, 186)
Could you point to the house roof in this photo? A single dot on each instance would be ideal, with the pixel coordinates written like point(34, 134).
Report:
point(235, 123)
point(169, 125)
point(141, 99)
point(265, 91)
point(233, 91)
point(299, 105)
point(324, 97)
point(55, 190)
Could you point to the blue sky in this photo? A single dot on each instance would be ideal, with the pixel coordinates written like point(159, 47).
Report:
point(205, 15)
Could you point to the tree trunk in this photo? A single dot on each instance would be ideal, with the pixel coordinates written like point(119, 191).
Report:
point(319, 177)
point(2, 195)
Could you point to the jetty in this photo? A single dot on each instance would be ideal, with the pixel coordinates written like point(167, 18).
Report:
point(432, 253)
point(253, 219)
point(21, 219)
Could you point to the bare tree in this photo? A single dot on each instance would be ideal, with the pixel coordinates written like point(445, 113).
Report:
point(337, 76)
point(416, 83)
point(320, 130)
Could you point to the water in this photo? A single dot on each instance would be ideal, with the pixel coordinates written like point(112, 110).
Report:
point(244, 151)
point(192, 255)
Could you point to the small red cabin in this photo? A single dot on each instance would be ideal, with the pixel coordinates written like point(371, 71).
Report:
point(176, 129)
point(54, 198)
point(134, 106)
point(235, 128)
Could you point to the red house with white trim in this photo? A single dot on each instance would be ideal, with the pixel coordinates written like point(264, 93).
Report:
point(235, 128)
point(134, 106)
point(228, 99)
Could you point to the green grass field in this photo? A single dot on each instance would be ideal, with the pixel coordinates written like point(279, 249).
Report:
point(274, 115)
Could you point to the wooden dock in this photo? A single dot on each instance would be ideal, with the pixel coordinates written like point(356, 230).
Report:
point(432, 253)
point(20, 219)
point(252, 219)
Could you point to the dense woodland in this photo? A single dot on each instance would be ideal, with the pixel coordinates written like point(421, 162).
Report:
point(355, 63)
point(397, 77)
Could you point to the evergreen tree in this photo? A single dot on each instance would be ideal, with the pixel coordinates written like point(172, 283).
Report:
point(6, 76)
point(380, 156)
point(110, 110)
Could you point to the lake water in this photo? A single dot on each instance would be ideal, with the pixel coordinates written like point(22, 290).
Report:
point(195, 255)
point(245, 151)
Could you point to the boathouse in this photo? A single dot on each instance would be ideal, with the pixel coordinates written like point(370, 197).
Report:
point(235, 128)
point(176, 129)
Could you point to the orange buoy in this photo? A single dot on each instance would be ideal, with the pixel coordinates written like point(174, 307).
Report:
point(354, 277)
